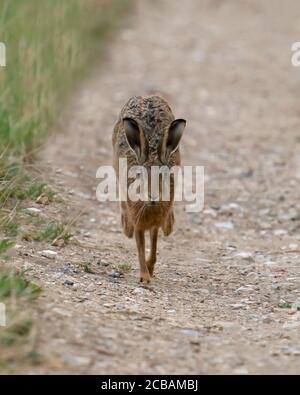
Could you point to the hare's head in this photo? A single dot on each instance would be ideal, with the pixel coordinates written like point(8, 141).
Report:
point(155, 148)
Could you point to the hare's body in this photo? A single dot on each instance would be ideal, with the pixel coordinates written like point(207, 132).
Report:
point(147, 134)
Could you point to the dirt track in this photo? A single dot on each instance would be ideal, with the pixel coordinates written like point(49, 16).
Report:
point(213, 305)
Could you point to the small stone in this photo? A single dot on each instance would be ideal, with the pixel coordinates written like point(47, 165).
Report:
point(69, 282)
point(138, 290)
point(34, 210)
point(210, 212)
point(189, 332)
point(276, 287)
point(114, 274)
point(247, 256)
point(280, 232)
point(43, 199)
point(49, 254)
point(76, 360)
point(237, 306)
point(247, 173)
point(241, 370)
point(291, 350)
point(103, 262)
point(224, 225)
point(293, 246)
point(230, 208)
point(246, 289)
point(90, 288)
point(58, 242)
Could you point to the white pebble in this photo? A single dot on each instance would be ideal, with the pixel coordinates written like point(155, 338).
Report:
point(34, 210)
point(224, 225)
point(49, 254)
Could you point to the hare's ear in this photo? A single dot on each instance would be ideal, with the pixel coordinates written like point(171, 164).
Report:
point(136, 139)
point(172, 138)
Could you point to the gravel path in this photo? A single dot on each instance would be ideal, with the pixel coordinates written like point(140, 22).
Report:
point(213, 305)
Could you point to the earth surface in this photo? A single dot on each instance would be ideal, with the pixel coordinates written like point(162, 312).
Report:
point(221, 277)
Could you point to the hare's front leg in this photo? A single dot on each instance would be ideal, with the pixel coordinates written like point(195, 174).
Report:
point(140, 243)
point(169, 224)
point(152, 259)
point(128, 228)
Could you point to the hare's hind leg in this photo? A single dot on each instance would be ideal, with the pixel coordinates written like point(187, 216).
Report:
point(140, 243)
point(152, 259)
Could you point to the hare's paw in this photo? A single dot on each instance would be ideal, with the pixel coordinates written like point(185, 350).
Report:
point(145, 277)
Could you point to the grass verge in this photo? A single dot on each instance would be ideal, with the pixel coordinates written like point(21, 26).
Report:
point(49, 45)
point(17, 329)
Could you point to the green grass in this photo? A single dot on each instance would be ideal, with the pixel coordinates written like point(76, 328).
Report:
point(16, 332)
point(14, 284)
point(49, 45)
point(17, 293)
point(125, 267)
point(50, 232)
point(5, 245)
point(17, 184)
point(286, 305)
point(87, 268)
point(10, 227)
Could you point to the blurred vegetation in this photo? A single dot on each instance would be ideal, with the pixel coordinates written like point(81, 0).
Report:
point(49, 44)
point(18, 337)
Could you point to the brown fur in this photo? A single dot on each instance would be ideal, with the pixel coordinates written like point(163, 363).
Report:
point(151, 118)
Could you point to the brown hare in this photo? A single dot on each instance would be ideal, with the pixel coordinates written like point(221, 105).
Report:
point(147, 134)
